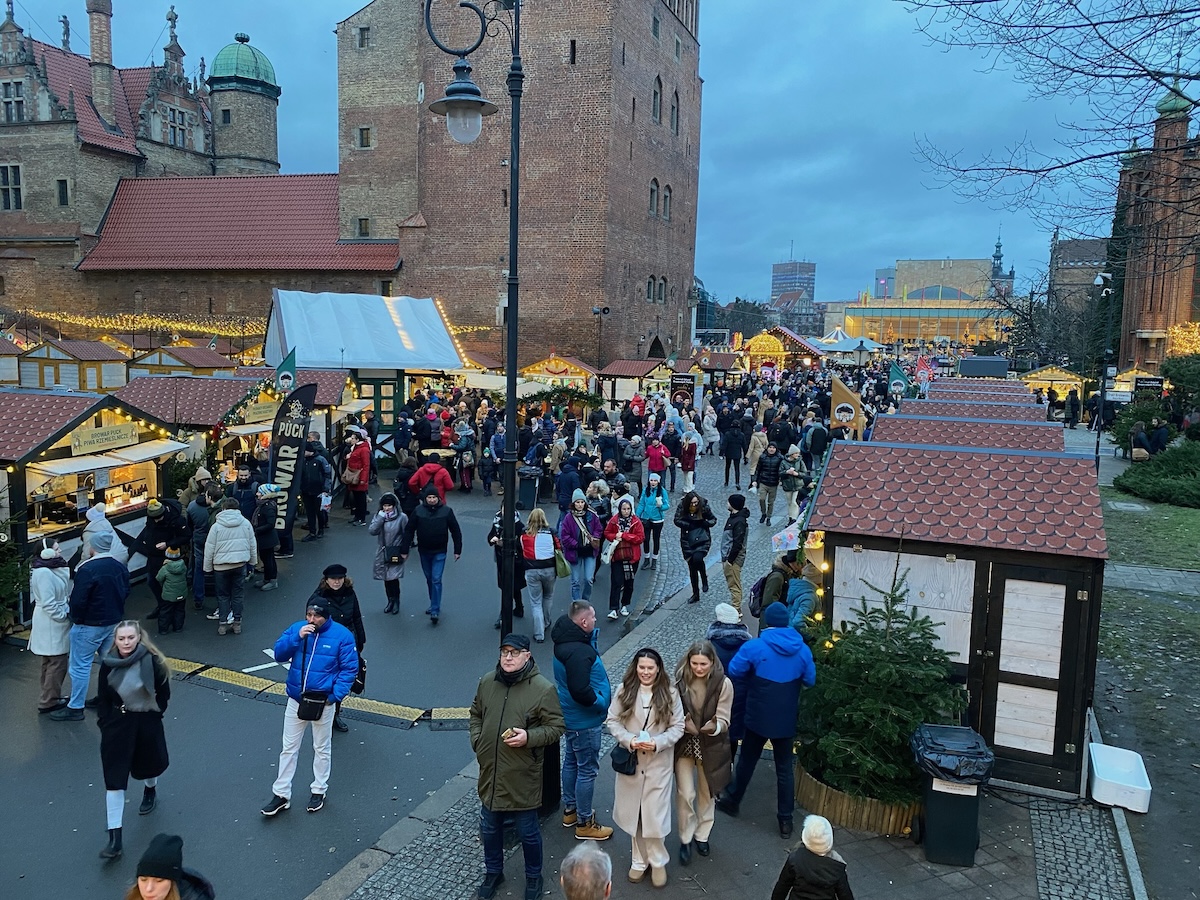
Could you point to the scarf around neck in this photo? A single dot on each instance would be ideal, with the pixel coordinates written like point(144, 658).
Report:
point(132, 677)
point(511, 678)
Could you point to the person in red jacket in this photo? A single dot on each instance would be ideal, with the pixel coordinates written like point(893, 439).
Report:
point(658, 456)
point(358, 465)
point(626, 530)
point(432, 472)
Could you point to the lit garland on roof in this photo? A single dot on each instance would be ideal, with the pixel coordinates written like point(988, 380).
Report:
point(223, 326)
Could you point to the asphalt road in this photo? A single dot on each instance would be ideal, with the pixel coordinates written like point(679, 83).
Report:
point(224, 744)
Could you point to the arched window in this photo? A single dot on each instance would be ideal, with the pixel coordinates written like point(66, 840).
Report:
point(650, 289)
point(654, 196)
point(662, 291)
point(675, 113)
point(656, 101)
point(666, 203)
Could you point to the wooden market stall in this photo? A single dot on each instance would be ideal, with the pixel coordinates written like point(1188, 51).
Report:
point(180, 361)
point(901, 428)
point(560, 371)
point(337, 398)
point(1014, 409)
point(203, 409)
point(1005, 549)
point(74, 365)
point(800, 352)
point(9, 356)
point(64, 451)
point(622, 378)
point(1053, 377)
point(984, 395)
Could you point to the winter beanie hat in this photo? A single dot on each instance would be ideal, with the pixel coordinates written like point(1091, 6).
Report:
point(163, 858)
point(737, 501)
point(817, 835)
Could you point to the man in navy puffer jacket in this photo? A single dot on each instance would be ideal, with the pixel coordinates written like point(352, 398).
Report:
point(584, 694)
point(323, 658)
point(772, 668)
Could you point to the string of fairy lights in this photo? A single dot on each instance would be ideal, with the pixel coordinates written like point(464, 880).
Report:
point(222, 326)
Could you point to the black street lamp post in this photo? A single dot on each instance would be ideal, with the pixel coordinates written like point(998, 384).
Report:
point(1102, 282)
point(464, 108)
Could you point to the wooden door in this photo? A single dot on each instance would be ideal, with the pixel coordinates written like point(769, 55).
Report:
point(1026, 665)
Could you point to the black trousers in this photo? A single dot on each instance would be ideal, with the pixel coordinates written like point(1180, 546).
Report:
point(696, 571)
point(171, 614)
point(620, 588)
point(737, 470)
point(653, 530)
point(312, 509)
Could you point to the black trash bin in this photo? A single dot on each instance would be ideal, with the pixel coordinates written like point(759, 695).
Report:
point(955, 762)
point(527, 490)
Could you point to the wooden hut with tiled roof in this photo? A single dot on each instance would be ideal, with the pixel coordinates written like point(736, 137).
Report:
point(976, 409)
point(1005, 548)
point(74, 365)
point(180, 361)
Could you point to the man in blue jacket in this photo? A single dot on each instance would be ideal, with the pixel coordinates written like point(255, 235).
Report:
point(772, 669)
point(584, 694)
point(97, 604)
point(324, 659)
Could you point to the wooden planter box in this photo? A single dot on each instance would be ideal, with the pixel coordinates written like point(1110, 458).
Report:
point(857, 813)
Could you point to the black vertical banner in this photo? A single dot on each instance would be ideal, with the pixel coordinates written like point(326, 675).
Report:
point(287, 448)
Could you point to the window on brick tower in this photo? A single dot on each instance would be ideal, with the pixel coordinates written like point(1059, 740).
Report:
point(650, 282)
point(666, 203)
point(64, 193)
point(385, 288)
point(678, 49)
point(654, 196)
point(364, 227)
point(675, 113)
point(364, 138)
point(662, 292)
point(14, 101)
point(655, 26)
point(10, 188)
point(656, 101)
point(364, 37)
point(226, 116)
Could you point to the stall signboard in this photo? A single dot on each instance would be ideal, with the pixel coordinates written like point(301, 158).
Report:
point(288, 435)
point(683, 388)
point(1148, 385)
point(260, 412)
point(96, 440)
point(1118, 396)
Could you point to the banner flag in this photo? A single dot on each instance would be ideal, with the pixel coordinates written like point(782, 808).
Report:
point(897, 380)
point(287, 447)
point(846, 409)
point(285, 374)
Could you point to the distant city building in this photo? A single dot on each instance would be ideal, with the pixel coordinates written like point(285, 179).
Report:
point(796, 310)
point(793, 276)
point(885, 283)
point(1074, 265)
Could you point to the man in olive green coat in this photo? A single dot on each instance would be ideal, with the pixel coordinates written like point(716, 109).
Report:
point(514, 715)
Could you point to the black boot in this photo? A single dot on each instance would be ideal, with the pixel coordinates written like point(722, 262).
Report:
point(113, 850)
point(149, 801)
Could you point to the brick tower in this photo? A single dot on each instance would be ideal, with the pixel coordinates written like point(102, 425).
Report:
point(244, 99)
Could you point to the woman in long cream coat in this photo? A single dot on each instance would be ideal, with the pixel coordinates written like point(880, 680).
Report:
point(646, 701)
point(50, 635)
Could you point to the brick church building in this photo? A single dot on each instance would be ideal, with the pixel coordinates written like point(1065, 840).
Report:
point(154, 220)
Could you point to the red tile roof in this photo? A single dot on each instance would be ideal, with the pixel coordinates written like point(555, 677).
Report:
point(901, 429)
point(199, 357)
point(185, 399)
point(1041, 503)
point(717, 362)
point(140, 342)
point(483, 359)
point(330, 382)
point(981, 384)
point(809, 344)
point(631, 368)
point(248, 222)
point(89, 351)
point(8, 348)
point(228, 347)
point(1006, 409)
point(30, 417)
point(70, 73)
point(984, 395)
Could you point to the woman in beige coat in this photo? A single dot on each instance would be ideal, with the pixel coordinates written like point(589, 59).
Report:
point(646, 717)
point(703, 757)
point(50, 635)
point(758, 446)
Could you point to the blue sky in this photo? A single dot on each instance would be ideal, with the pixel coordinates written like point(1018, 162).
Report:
point(811, 116)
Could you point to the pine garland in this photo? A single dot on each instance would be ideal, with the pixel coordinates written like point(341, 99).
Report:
point(14, 577)
point(878, 679)
point(555, 396)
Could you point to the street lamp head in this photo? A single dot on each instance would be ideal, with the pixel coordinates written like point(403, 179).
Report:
point(1102, 278)
point(463, 106)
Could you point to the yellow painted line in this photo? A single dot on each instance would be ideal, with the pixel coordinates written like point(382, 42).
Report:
point(277, 687)
point(238, 679)
point(451, 712)
point(184, 666)
point(391, 710)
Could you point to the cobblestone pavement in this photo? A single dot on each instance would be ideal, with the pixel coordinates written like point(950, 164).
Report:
point(1029, 848)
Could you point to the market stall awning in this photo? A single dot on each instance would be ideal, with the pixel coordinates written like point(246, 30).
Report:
point(361, 331)
point(354, 406)
point(146, 451)
point(72, 465)
point(253, 428)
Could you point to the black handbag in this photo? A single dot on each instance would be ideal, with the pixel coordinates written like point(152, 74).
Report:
point(311, 705)
point(624, 761)
point(391, 555)
point(360, 680)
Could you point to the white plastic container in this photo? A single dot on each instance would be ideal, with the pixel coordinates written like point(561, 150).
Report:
point(1118, 778)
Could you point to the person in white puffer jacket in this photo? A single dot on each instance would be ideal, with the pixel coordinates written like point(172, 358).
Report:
point(230, 546)
point(50, 634)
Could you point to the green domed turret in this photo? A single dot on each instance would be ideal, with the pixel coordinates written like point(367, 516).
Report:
point(1174, 103)
point(247, 65)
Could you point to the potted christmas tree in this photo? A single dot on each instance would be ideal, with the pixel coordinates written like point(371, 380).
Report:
point(878, 678)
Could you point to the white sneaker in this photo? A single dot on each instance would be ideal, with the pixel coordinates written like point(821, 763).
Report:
point(624, 610)
point(612, 616)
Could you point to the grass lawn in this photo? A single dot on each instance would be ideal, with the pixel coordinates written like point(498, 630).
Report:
point(1165, 536)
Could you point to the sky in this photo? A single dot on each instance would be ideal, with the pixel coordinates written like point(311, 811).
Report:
point(811, 116)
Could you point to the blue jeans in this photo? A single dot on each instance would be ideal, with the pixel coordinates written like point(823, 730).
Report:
point(198, 575)
point(582, 573)
point(432, 564)
point(580, 765)
point(785, 777)
point(86, 642)
point(491, 832)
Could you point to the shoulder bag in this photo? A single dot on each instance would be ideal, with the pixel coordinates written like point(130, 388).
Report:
point(360, 680)
point(311, 705)
point(351, 476)
point(562, 568)
point(624, 761)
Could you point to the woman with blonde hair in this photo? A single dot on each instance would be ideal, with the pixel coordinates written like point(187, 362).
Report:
point(703, 757)
point(646, 718)
point(538, 545)
point(135, 687)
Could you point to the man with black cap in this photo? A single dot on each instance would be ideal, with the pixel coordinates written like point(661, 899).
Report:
point(161, 868)
point(316, 478)
point(433, 524)
point(324, 664)
point(733, 547)
point(514, 715)
point(771, 668)
point(766, 477)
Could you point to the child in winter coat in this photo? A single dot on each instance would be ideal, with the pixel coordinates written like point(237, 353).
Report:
point(173, 578)
point(487, 470)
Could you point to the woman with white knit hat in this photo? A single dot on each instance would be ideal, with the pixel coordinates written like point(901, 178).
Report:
point(814, 870)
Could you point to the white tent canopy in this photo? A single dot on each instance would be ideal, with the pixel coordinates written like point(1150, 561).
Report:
point(850, 344)
point(360, 331)
point(838, 334)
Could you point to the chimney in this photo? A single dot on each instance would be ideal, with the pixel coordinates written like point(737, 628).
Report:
point(100, 32)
